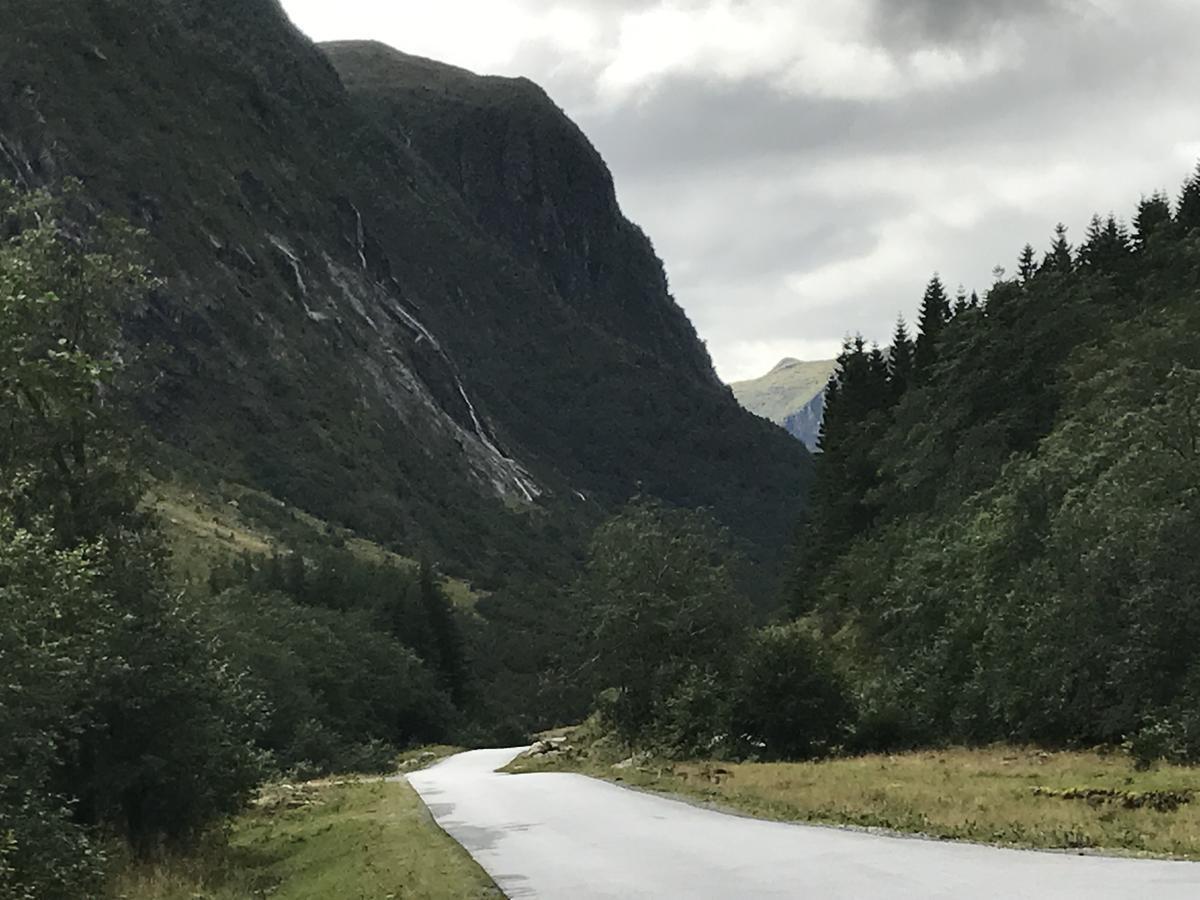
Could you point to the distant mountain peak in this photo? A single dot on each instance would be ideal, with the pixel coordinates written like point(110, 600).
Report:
point(787, 362)
point(792, 395)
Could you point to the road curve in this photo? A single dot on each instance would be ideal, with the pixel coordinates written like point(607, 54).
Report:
point(568, 837)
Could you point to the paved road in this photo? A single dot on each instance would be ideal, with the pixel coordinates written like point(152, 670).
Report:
point(567, 837)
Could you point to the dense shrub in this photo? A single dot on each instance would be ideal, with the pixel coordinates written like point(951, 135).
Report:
point(788, 701)
point(664, 623)
point(331, 681)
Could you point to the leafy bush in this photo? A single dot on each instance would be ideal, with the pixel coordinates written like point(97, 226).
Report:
point(788, 699)
point(110, 698)
point(44, 854)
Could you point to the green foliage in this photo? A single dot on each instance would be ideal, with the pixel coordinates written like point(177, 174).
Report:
point(664, 623)
point(346, 650)
point(48, 602)
point(333, 681)
point(111, 698)
point(61, 295)
point(1027, 573)
point(844, 501)
point(788, 700)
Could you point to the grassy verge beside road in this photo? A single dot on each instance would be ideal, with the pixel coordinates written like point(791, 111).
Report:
point(368, 839)
point(1001, 795)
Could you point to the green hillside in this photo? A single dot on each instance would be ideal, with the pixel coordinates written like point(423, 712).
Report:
point(1002, 522)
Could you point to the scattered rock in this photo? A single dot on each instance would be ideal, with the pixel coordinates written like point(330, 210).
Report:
point(289, 796)
point(543, 748)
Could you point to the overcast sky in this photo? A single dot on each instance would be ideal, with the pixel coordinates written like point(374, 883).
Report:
point(804, 166)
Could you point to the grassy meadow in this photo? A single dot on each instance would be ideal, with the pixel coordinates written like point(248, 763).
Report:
point(1003, 795)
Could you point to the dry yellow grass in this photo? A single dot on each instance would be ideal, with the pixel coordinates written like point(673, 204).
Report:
point(202, 533)
point(984, 795)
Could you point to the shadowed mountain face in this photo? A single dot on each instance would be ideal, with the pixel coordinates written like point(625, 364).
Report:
point(792, 395)
point(399, 295)
point(533, 181)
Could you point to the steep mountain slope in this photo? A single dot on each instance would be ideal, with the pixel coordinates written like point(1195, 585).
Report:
point(791, 395)
point(433, 349)
point(473, 354)
point(531, 179)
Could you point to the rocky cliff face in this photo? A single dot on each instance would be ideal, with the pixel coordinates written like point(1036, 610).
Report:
point(397, 294)
point(805, 423)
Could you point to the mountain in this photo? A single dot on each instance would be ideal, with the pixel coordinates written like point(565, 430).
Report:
point(397, 295)
point(791, 395)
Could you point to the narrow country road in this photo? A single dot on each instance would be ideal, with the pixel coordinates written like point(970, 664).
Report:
point(567, 837)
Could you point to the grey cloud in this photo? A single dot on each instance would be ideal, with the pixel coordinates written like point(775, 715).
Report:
point(1071, 89)
point(754, 238)
point(703, 163)
point(758, 306)
point(908, 23)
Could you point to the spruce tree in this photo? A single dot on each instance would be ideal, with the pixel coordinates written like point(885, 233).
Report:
point(447, 637)
point(900, 361)
point(960, 301)
point(877, 371)
point(1153, 216)
point(1061, 257)
point(935, 312)
point(1107, 246)
point(1188, 215)
point(1026, 264)
point(832, 398)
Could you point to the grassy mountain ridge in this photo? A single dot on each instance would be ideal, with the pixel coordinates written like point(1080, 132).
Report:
point(350, 329)
point(790, 395)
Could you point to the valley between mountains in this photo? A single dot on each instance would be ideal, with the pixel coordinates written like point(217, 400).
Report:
point(347, 422)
